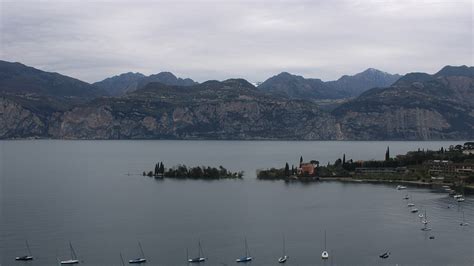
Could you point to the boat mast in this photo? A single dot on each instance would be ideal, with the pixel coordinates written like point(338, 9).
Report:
point(141, 250)
point(121, 259)
point(200, 250)
point(73, 253)
point(284, 245)
point(28, 248)
point(324, 239)
point(246, 248)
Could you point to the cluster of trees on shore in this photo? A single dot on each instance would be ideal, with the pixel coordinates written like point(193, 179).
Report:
point(343, 168)
point(181, 171)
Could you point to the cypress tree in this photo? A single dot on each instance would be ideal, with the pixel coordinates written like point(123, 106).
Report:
point(287, 170)
point(344, 159)
point(387, 154)
point(301, 160)
point(162, 168)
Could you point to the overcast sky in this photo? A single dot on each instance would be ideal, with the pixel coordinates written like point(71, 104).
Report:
point(92, 40)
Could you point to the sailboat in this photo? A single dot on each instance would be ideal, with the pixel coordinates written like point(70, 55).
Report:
point(325, 254)
point(200, 257)
point(26, 257)
point(73, 259)
point(140, 259)
point(463, 223)
point(283, 257)
point(425, 223)
point(247, 257)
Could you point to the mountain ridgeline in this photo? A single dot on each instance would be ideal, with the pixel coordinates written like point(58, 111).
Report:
point(417, 106)
point(298, 87)
point(128, 82)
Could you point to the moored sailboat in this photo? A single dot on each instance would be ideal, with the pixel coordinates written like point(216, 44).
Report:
point(73, 259)
point(200, 257)
point(247, 256)
point(25, 257)
point(139, 259)
point(463, 223)
point(283, 257)
point(325, 254)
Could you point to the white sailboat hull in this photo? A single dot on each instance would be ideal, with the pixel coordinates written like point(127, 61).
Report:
point(69, 261)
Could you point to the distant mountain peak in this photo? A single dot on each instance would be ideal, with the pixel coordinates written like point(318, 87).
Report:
point(130, 81)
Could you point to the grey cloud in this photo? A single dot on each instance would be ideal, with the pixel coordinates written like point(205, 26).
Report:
point(204, 40)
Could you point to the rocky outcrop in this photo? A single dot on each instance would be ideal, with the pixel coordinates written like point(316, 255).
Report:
point(18, 122)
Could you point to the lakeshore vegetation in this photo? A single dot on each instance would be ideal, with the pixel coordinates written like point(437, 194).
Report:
point(452, 165)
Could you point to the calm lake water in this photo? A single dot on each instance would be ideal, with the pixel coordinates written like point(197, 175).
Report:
point(92, 194)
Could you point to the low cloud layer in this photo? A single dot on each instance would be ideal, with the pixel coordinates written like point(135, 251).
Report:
point(92, 40)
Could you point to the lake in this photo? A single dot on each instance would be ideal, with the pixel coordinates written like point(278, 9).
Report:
point(92, 194)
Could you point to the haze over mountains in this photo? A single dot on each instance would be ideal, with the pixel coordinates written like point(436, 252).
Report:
point(417, 106)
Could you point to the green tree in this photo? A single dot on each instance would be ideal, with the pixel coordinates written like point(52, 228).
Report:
point(287, 170)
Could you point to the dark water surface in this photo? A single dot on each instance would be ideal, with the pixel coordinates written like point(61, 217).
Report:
point(53, 192)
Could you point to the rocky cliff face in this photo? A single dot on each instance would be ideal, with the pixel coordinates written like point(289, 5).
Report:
point(416, 107)
point(242, 115)
point(19, 122)
point(433, 107)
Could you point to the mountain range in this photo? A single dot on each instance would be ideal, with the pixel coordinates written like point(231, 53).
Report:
point(416, 106)
point(298, 87)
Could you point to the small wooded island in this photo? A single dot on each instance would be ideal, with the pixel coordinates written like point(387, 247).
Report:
point(181, 171)
point(450, 166)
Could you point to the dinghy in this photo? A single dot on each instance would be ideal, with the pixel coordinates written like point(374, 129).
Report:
point(140, 259)
point(399, 187)
point(247, 257)
point(73, 259)
point(26, 257)
point(414, 210)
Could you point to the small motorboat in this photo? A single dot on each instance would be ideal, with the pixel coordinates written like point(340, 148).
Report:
point(460, 199)
point(406, 197)
point(411, 204)
point(26, 257)
point(385, 255)
point(432, 237)
point(457, 196)
point(414, 210)
point(420, 215)
point(399, 187)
